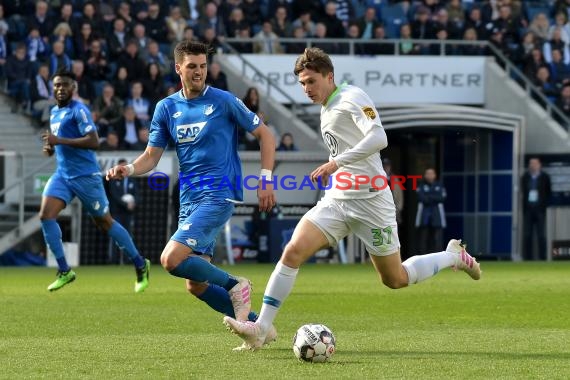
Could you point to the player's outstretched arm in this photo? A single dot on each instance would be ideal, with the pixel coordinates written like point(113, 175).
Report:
point(89, 141)
point(265, 193)
point(143, 164)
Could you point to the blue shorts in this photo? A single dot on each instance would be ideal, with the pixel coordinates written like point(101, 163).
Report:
point(89, 189)
point(200, 223)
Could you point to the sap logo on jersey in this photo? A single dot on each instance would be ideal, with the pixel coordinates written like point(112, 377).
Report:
point(189, 132)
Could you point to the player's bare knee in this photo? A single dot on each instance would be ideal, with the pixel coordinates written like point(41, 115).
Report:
point(292, 255)
point(394, 282)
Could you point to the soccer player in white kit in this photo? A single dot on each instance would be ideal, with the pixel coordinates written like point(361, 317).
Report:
point(352, 130)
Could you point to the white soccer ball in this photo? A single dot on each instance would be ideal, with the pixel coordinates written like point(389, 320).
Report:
point(314, 343)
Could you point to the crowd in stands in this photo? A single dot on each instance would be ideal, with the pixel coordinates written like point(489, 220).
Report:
point(121, 51)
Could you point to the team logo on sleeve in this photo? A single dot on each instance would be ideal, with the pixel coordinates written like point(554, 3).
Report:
point(208, 109)
point(369, 112)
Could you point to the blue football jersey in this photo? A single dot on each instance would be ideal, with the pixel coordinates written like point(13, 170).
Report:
point(73, 121)
point(205, 132)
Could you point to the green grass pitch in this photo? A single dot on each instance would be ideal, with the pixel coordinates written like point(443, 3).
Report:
point(513, 324)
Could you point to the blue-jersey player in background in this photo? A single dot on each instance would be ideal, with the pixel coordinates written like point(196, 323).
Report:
point(203, 122)
point(73, 138)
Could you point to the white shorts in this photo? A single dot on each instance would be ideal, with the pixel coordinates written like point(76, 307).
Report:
point(372, 220)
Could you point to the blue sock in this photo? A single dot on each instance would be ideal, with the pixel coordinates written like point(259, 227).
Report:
point(218, 299)
point(125, 242)
point(197, 269)
point(52, 236)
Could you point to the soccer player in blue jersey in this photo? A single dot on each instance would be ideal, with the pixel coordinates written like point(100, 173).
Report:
point(73, 138)
point(203, 122)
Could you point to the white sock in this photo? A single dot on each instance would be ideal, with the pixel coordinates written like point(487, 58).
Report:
point(278, 288)
point(422, 267)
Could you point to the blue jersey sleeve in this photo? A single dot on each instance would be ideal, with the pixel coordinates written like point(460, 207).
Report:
point(83, 120)
point(242, 115)
point(159, 134)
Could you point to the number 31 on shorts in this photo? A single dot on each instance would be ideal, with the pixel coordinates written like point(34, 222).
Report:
point(381, 236)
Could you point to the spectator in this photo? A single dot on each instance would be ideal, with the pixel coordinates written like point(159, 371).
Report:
point(121, 83)
point(397, 191)
point(296, 47)
point(140, 104)
point(139, 35)
point(154, 87)
point(545, 84)
point(380, 46)
point(236, 22)
point(111, 142)
point(109, 107)
point(475, 21)
point(470, 34)
point(321, 33)
point(287, 143)
point(333, 25)
point(280, 23)
point(406, 47)
point(210, 19)
point(368, 24)
point(130, 58)
point(304, 21)
point(96, 65)
point(559, 70)
point(454, 31)
point(127, 127)
point(18, 73)
point(555, 43)
point(37, 48)
point(344, 11)
point(42, 94)
point(124, 12)
point(533, 62)
point(85, 92)
point(267, 42)
point(353, 33)
point(58, 59)
point(41, 21)
point(90, 16)
point(210, 38)
point(117, 41)
point(152, 54)
point(216, 77)
point(252, 13)
point(311, 7)
point(560, 22)
point(64, 34)
point(245, 47)
point(155, 23)
point(540, 26)
point(456, 13)
point(66, 17)
point(536, 191)
point(82, 41)
point(422, 29)
point(251, 99)
point(430, 217)
point(142, 141)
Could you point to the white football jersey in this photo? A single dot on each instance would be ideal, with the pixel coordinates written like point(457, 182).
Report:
point(345, 120)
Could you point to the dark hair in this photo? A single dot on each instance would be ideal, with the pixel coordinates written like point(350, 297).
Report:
point(64, 73)
point(314, 59)
point(189, 47)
